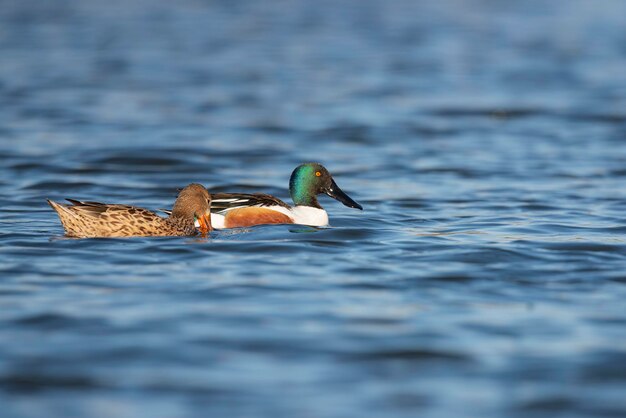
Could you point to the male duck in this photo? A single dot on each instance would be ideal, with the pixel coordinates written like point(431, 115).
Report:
point(93, 219)
point(232, 210)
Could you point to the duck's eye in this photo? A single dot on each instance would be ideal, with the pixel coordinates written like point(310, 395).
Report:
point(318, 174)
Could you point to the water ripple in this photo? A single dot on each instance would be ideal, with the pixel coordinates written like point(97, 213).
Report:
point(485, 273)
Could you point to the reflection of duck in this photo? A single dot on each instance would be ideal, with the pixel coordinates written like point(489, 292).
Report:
point(231, 210)
point(93, 219)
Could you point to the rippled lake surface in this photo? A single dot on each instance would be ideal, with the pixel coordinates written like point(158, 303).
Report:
point(486, 276)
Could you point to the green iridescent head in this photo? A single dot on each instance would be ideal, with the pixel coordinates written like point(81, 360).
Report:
point(311, 179)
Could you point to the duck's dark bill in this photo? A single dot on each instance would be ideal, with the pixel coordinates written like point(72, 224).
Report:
point(336, 193)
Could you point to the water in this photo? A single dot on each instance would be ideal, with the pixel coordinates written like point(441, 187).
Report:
point(485, 140)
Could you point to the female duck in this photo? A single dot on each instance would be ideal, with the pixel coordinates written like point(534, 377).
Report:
point(93, 219)
point(231, 210)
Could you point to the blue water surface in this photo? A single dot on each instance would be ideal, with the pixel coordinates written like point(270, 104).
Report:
point(485, 139)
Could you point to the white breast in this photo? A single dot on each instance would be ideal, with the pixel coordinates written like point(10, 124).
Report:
point(217, 221)
point(307, 215)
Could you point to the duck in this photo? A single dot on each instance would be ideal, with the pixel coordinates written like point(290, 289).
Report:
point(307, 181)
point(101, 220)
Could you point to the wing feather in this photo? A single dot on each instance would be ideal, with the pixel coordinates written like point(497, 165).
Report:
point(97, 209)
point(225, 202)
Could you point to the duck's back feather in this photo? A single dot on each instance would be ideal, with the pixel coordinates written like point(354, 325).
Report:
point(224, 202)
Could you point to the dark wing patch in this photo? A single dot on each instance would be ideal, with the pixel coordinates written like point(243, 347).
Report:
point(222, 202)
point(89, 208)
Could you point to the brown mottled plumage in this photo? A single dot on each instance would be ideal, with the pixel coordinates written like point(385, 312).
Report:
point(93, 219)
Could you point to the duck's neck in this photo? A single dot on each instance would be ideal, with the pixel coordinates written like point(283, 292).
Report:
point(182, 223)
point(182, 218)
point(305, 199)
point(301, 192)
point(182, 209)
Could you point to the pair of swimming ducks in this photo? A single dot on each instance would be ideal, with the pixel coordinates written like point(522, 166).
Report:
point(195, 207)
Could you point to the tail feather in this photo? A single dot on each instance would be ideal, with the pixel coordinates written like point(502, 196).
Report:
point(84, 202)
point(66, 216)
point(54, 205)
point(60, 208)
